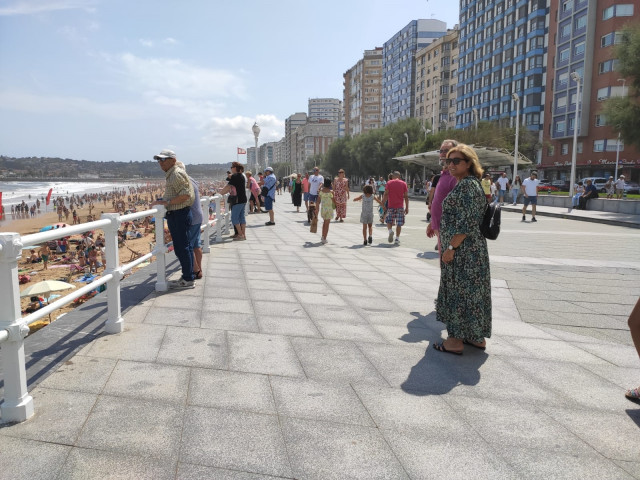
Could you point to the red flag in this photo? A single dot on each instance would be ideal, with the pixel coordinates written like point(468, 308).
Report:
point(49, 195)
point(241, 151)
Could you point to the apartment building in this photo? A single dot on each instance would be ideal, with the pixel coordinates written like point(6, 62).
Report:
point(582, 37)
point(502, 62)
point(291, 123)
point(398, 78)
point(362, 96)
point(313, 138)
point(329, 109)
point(436, 82)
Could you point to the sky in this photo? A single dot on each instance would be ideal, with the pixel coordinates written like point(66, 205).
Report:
point(120, 80)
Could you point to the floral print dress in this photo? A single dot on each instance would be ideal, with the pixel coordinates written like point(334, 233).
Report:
point(464, 298)
point(326, 205)
point(340, 196)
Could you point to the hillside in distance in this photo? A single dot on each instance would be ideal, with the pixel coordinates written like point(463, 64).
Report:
point(67, 169)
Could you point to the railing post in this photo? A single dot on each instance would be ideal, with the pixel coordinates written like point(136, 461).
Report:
point(246, 205)
point(219, 217)
point(227, 213)
point(115, 322)
point(207, 229)
point(18, 404)
point(161, 250)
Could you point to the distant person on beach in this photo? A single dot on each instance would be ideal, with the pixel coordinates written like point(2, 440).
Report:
point(44, 253)
point(177, 199)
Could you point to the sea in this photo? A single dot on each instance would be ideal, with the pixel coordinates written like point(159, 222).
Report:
point(14, 193)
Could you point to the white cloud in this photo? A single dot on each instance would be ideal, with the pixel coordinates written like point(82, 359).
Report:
point(170, 41)
point(146, 43)
point(33, 7)
point(47, 104)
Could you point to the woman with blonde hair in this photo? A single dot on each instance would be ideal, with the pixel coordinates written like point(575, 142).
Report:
point(464, 297)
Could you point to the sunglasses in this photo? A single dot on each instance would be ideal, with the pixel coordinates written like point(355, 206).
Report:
point(160, 159)
point(455, 160)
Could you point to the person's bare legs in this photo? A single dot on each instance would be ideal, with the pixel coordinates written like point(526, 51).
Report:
point(325, 228)
point(533, 210)
point(634, 327)
point(197, 260)
point(364, 231)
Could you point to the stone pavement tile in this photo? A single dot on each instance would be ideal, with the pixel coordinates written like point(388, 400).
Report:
point(176, 317)
point(284, 295)
point(187, 471)
point(296, 278)
point(515, 328)
point(612, 434)
point(319, 401)
point(562, 465)
point(136, 313)
point(400, 335)
point(348, 280)
point(335, 361)
point(309, 287)
point(264, 268)
point(148, 381)
point(553, 307)
point(283, 309)
point(231, 390)
point(575, 335)
point(632, 468)
point(326, 451)
point(623, 377)
point(610, 308)
point(58, 418)
point(395, 409)
point(290, 326)
point(435, 456)
point(311, 299)
point(511, 423)
point(338, 314)
point(418, 318)
point(619, 355)
point(133, 426)
point(194, 347)
point(81, 374)
point(44, 464)
point(577, 385)
point(86, 463)
point(232, 305)
point(225, 281)
point(244, 441)
point(622, 337)
point(169, 301)
point(337, 330)
point(215, 291)
point(197, 291)
point(137, 342)
point(238, 322)
point(262, 353)
point(373, 304)
point(554, 350)
point(348, 291)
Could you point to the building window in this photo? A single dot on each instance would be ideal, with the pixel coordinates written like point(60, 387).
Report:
point(564, 55)
point(607, 66)
point(565, 30)
point(567, 5)
point(580, 22)
point(613, 38)
point(564, 149)
point(601, 120)
point(625, 10)
point(561, 101)
point(561, 126)
point(612, 145)
point(598, 145)
point(578, 49)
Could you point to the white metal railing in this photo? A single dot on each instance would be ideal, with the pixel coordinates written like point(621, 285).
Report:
point(17, 405)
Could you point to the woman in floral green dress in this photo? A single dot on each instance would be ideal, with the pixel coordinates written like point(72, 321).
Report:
point(464, 298)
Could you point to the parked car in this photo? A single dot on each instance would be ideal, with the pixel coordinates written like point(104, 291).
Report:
point(631, 187)
point(599, 182)
point(561, 184)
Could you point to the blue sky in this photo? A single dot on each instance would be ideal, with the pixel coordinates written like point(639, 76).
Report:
point(122, 79)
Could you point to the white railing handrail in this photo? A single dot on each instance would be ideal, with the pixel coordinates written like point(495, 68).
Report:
point(18, 404)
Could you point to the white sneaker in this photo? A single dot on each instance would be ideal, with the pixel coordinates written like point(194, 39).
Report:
point(397, 242)
point(182, 283)
point(390, 238)
point(323, 240)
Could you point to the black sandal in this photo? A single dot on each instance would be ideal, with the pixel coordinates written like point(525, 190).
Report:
point(441, 348)
point(198, 274)
point(467, 342)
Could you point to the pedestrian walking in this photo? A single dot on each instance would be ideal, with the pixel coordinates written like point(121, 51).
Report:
point(341, 195)
point(530, 190)
point(396, 192)
point(296, 192)
point(270, 182)
point(366, 215)
point(620, 187)
point(503, 183)
point(325, 206)
point(516, 185)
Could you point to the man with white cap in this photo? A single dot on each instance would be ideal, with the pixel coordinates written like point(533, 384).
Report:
point(177, 199)
point(270, 182)
point(620, 187)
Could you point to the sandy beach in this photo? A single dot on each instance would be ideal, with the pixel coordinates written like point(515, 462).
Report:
point(57, 268)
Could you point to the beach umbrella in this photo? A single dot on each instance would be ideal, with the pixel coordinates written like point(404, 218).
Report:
point(45, 287)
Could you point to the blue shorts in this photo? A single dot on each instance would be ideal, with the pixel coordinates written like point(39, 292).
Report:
point(237, 214)
point(313, 198)
point(305, 196)
point(531, 199)
point(268, 203)
point(503, 192)
point(194, 236)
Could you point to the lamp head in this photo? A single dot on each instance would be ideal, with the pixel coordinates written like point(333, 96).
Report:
point(575, 77)
point(256, 129)
point(515, 96)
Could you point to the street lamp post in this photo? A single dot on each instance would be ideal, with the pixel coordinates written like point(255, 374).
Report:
point(576, 78)
point(624, 83)
point(256, 133)
point(475, 116)
point(406, 135)
point(516, 99)
point(425, 130)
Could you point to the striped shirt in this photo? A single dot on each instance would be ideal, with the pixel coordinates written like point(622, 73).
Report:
point(177, 183)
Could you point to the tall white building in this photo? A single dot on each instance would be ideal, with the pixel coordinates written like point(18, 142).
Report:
point(329, 109)
point(362, 94)
point(290, 125)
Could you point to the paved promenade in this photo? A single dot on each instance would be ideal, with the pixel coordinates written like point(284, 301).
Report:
point(297, 360)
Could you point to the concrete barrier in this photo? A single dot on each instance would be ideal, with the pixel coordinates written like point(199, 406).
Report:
point(630, 207)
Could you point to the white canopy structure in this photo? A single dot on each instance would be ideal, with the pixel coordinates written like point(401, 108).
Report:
point(489, 157)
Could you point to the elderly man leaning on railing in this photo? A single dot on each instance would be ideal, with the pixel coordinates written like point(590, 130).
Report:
point(18, 404)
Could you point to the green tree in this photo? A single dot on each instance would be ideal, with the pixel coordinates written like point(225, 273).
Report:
point(623, 113)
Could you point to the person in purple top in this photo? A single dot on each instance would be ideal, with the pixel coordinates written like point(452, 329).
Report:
point(444, 185)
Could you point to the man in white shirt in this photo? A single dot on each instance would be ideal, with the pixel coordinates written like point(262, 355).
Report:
point(315, 182)
point(530, 189)
point(503, 181)
point(620, 187)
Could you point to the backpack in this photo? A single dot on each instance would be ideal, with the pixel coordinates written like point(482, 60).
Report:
point(490, 225)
